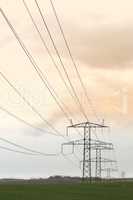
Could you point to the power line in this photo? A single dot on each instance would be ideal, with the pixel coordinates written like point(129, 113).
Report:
point(11, 114)
point(50, 55)
point(74, 64)
point(65, 71)
point(46, 47)
point(25, 122)
point(38, 71)
point(26, 101)
point(40, 74)
point(26, 148)
point(31, 154)
point(16, 151)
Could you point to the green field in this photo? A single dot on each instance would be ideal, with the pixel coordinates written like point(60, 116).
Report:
point(112, 191)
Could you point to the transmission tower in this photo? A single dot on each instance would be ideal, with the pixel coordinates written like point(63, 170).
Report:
point(101, 161)
point(90, 147)
point(108, 170)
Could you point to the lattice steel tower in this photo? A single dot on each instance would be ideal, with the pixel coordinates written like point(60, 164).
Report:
point(90, 145)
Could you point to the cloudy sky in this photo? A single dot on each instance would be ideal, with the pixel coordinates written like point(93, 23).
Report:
point(99, 34)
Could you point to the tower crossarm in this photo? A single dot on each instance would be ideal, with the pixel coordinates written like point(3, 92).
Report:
point(109, 169)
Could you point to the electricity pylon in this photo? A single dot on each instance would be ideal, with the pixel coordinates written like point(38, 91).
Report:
point(108, 170)
point(90, 145)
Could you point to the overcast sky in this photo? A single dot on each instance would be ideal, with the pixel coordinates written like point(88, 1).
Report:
point(100, 37)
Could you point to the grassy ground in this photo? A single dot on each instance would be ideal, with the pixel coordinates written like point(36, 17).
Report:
point(112, 191)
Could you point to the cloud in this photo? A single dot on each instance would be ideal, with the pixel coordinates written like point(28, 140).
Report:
point(106, 45)
point(96, 42)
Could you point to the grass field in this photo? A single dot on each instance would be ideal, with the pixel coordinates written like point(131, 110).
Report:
point(112, 191)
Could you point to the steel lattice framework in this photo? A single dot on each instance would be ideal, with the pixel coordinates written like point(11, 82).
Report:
point(90, 145)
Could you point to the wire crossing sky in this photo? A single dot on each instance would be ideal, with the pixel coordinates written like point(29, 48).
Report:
point(84, 62)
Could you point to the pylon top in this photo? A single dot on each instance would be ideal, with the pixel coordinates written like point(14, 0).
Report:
point(88, 124)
